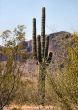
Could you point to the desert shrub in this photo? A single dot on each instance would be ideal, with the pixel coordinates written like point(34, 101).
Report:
point(15, 108)
point(9, 70)
point(26, 93)
point(50, 96)
point(9, 79)
point(65, 84)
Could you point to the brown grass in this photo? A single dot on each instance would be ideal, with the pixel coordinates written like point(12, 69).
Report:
point(31, 107)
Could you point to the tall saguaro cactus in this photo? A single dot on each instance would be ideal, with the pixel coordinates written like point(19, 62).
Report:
point(34, 49)
point(42, 56)
point(43, 31)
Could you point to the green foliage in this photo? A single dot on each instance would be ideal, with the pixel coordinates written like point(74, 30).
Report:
point(9, 79)
point(11, 41)
point(9, 70)
point(65, 84)
point(12, 38)
point(19, 33)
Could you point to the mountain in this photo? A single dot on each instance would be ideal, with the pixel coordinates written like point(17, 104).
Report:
point(57, 42)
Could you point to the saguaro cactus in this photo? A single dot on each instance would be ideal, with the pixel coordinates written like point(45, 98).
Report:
point(43, 31)
point(42, 56)
point(34, 49)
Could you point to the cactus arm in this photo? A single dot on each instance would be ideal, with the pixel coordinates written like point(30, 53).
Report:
point(34, 49)
point(39, 48)
point(43, 31)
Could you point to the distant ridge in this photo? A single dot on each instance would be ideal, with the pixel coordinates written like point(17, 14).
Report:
point(56, 45)
point(59, 33)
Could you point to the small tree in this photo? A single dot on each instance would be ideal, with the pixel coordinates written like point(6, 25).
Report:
point(9, 71)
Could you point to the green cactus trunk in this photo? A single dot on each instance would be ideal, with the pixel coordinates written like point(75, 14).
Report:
point(43, 31)
point(41, 83)
point(46, 46)
point(34, 49)
point(39, 48)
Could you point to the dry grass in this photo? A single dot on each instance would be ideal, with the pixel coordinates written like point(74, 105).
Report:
point(26, 107)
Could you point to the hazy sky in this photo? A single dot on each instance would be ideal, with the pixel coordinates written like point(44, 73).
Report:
point(61, 15)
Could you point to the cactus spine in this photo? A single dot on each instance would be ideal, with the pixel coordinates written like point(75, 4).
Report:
point(43, 31)
point(34, 49)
